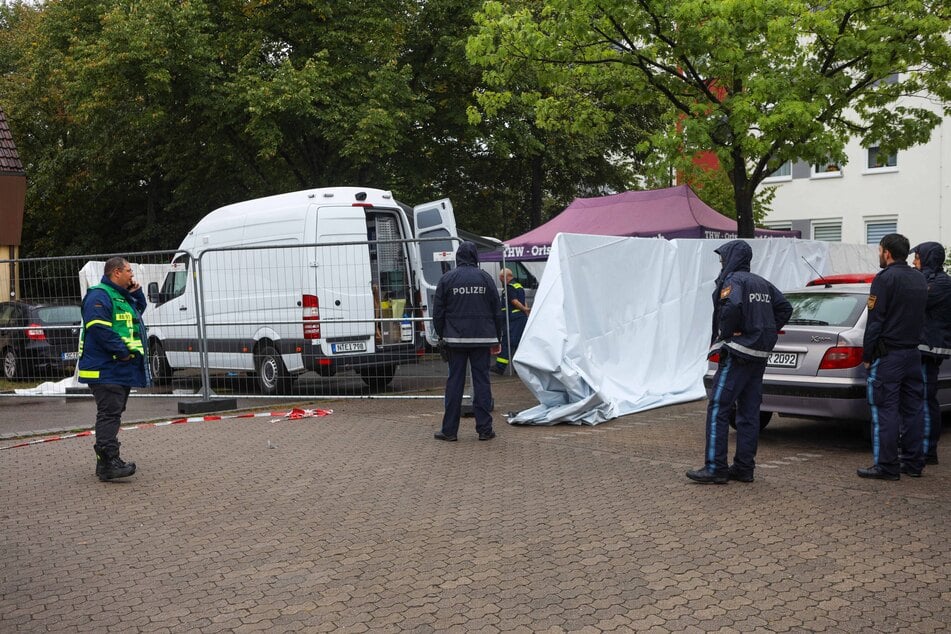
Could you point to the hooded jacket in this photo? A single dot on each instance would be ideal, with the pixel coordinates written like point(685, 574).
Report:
point(748, 311)
point(466, 308)
point(936, 334)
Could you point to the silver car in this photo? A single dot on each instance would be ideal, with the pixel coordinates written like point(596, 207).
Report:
point(816, 369)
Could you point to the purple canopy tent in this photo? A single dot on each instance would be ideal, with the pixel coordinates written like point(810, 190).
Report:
point(674, 212)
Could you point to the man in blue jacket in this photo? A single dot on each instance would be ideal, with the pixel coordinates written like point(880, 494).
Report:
point(113, 358)
point(748, 314)
point(935, 344)
point(468, 319)
point(895, 390)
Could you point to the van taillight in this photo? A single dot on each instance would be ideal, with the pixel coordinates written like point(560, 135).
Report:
point(311, 317)
point(840, 358)
point(34, 332)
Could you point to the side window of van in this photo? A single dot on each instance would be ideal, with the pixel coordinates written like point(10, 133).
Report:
point(432, 268)
point(176, 280)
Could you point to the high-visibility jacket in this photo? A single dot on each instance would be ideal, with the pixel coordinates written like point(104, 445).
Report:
point(112, 331)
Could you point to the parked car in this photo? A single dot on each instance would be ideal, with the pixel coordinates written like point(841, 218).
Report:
point(38, 339)
point(816, 369)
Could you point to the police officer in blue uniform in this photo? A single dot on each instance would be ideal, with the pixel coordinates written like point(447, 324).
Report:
point(113, 358)
point(935, 344)
point(748, 314)
point(896, 316)
point(516, 311)
point(469, 321)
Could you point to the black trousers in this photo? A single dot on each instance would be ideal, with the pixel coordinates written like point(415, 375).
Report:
point(459, 359)
point(932, 411)
point(111, 400)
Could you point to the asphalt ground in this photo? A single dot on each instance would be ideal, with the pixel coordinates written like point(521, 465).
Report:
point(361, 521)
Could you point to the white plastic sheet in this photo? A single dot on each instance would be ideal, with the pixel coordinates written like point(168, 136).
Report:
point(622, 325)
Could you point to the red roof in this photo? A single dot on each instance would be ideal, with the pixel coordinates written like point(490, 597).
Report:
point(9, 159)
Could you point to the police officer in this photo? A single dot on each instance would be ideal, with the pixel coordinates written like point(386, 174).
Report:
point(896, 316)
point(113, 358)
point(747, 316)
point(935, 344)
point(516, 312)
point(468, 320)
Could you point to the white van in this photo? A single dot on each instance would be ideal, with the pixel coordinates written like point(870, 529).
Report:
point(312, 280)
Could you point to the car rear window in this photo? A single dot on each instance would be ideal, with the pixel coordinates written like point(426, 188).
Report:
point(60, 314)
point(826, 309)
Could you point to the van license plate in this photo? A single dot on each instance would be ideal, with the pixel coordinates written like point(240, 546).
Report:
point(351, 346)
point(782, 359)
point(70, 356)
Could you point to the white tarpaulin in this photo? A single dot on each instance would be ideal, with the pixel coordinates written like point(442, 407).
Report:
point(621, 325)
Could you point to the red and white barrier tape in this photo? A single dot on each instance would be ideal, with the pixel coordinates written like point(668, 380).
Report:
point(276, 417)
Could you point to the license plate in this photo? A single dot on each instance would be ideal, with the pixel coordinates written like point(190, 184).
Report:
point(782, 359)
point(70, 356)
point(350, 346)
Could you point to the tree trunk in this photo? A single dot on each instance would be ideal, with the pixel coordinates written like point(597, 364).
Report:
point(535, 201)
point(742, 196)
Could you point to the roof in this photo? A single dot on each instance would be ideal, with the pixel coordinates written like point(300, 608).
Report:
point(9, 158)
point(673, 212)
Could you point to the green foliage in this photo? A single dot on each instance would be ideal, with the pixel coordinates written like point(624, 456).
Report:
point(758, 82)
point(136, 117)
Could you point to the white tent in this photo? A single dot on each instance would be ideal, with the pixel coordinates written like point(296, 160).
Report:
point(621, 325)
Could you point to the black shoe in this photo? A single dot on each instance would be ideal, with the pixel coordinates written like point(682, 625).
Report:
point(708, 476)
point(931, 459)
point(907, 470)
point(488, 436)
point(877, 473)
point(441, 436)
point(112, 468)
point(497, 370)
point(739, 475)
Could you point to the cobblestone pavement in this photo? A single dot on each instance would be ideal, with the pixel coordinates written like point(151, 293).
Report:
point(361, 521)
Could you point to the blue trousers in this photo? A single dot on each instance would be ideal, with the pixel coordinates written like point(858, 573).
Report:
point(511, 339)
point(738, 382)
point(478, 360)
point(932, 409)
point(896, 398)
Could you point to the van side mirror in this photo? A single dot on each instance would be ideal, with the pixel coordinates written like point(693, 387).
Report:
point(154, 295)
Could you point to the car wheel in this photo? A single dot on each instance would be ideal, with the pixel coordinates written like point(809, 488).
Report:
point(377, 377)
point(11, 365)
point(158, 364)
point(764, 418)
point(272, 376)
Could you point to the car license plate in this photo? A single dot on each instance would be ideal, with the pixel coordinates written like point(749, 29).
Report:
point(782, 359)
point(351, 346)
point(70, 356)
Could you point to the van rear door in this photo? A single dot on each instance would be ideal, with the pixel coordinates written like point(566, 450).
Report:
point(434, 220)
point(343, 281)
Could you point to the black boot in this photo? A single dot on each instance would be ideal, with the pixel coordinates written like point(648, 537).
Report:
point(109, 466)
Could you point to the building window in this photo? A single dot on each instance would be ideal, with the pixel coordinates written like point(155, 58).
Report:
point(878, 160)
point(782, 173)
point(827, 230)
point(826, 170)
point(779, 226)
point(877, 228)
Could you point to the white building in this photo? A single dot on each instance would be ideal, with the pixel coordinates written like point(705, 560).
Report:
point(871, 195)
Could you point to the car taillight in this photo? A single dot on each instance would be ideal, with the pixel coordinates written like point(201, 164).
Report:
point(311, 317)
point(35, 332)
point(841, 357)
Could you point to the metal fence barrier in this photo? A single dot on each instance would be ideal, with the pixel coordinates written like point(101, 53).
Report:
point(329, 320)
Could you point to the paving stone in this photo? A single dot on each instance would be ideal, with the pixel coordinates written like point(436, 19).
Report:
point(360, 522)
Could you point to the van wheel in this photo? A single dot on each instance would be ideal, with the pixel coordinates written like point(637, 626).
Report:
point(377, 377)
point(272, 376)
point(11, 365)
point(158, 364)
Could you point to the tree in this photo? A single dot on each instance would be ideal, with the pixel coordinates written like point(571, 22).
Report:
point(759, 82)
